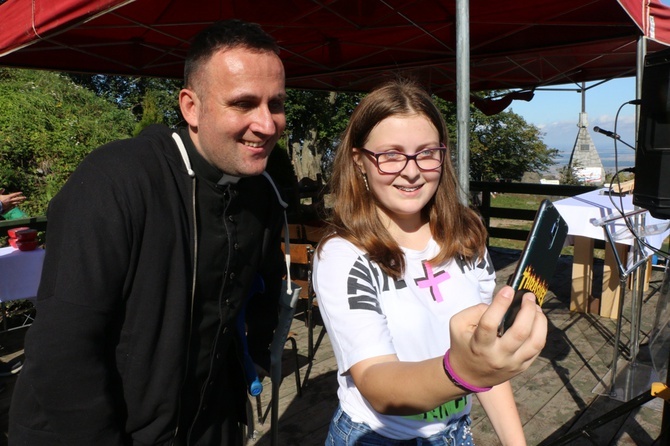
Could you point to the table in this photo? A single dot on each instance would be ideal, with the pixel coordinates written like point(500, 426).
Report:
point(578, 212)
point(20, 273)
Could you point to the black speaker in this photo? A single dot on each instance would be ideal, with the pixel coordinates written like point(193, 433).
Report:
point(652, 155)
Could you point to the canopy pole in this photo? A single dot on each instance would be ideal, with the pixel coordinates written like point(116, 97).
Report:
point(641, 54)
point(463, 98)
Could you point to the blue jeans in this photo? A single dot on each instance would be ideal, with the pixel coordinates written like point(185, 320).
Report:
point(344, 432)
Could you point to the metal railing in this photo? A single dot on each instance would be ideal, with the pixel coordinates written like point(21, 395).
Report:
point(37, 223)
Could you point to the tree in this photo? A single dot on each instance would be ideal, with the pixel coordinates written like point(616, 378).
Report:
point(151, 114)
point(315, 121)
point(50, 123)
point(47, 125)
point(502, 146)
point(151, 100)
point(568, 175)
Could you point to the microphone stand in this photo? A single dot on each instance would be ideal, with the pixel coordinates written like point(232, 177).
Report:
point(639, 261)
point(646, 395)
point(612, 135)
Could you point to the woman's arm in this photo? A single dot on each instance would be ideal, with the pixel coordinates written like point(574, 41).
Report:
point(393, 387)
point(499, 405)
point(478, 355)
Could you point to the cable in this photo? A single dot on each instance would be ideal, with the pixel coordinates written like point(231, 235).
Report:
point(619, 208)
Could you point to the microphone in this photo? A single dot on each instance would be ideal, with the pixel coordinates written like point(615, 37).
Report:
point(606, 132)
point(635, 102)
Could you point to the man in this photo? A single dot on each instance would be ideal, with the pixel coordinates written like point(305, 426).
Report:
point(152, 248)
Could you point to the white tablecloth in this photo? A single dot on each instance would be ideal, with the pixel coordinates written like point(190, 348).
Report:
point(578, 211)
point(20, 273)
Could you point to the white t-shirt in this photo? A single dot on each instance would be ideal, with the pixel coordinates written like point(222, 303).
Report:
point(368, 314)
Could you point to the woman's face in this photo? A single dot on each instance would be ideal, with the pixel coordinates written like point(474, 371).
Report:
point(401, 195)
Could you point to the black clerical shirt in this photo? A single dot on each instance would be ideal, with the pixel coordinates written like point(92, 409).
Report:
point(213, 370)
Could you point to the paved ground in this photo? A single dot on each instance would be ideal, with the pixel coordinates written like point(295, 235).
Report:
point(561, 392)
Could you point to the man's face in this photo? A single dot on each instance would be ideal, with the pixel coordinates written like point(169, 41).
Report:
point(235, 109)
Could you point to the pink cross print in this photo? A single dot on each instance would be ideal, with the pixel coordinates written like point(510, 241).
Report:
point(432, 281)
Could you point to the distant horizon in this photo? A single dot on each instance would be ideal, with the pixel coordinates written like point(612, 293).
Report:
point(608, 163)
point(556, 113)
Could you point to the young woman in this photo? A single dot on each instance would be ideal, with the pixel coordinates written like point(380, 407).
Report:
point(405, 285)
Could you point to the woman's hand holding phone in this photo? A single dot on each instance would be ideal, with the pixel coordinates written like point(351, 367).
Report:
point(482, 357)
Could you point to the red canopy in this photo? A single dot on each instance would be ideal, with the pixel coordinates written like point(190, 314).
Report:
point(652, 17)
point(345, 44)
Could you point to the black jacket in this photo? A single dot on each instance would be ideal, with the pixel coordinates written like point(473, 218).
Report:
point(105, 357)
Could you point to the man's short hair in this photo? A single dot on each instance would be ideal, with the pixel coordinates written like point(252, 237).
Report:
point(222, 35)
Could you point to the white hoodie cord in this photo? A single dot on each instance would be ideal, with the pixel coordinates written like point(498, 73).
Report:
point(184, 154)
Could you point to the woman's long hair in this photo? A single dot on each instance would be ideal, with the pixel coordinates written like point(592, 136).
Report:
point(457, 229)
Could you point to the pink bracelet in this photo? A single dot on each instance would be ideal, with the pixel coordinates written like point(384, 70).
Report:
point(457, 380)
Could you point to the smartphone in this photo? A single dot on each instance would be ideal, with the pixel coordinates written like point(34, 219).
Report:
point(538, 260)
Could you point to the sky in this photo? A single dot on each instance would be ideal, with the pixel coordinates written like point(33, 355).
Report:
point(556, 114)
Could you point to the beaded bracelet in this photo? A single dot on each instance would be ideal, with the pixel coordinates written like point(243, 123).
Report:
point(459, 381)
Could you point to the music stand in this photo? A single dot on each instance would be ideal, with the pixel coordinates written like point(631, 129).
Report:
point(636, 376)
point(650, 392)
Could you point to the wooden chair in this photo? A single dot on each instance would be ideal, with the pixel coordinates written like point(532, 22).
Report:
point(313, 234)
point(301, 274)
point(301, 262)
point(301, 266)
point(300, 233)
point(295, 232)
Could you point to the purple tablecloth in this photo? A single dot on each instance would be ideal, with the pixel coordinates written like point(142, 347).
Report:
point(20, 273)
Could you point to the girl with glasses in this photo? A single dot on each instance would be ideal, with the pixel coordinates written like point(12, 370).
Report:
point(405, 284)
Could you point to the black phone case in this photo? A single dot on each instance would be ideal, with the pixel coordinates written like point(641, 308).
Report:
point(538, 260)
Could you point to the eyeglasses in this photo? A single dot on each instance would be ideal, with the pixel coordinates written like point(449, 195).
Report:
point(394, 162)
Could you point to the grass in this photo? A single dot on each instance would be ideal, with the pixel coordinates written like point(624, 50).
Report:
point(512, 201)
point(517, 201)
point(523, 201)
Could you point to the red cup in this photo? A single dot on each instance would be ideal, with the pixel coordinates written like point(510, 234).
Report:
point(12, 232)
point(26, 235)
point(27, 245)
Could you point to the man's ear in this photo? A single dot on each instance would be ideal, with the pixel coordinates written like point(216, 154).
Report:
point(189, 103)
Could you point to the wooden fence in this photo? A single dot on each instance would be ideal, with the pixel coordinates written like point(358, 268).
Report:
point(481, 190)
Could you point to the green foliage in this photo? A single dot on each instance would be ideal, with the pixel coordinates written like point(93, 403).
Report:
point(135, 94)
point(502, 146)
point(505, 146)
point(151, 113)
point(611, 176)
point(568, 175)
point(47, 125)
